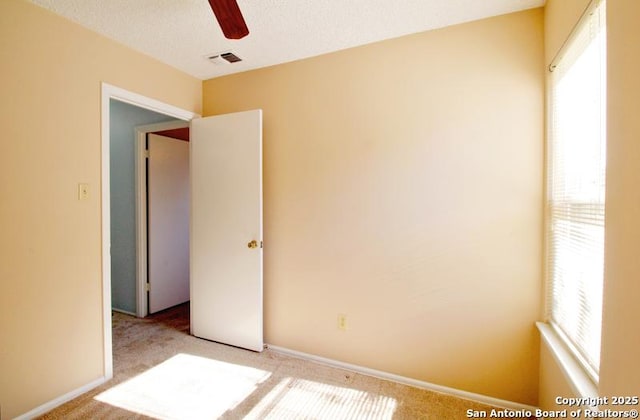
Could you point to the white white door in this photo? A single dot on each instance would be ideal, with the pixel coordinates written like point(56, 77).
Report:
point(168, 222)
point(226, 229)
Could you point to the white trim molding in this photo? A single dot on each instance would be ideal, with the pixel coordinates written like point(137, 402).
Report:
point(471, 396)
point(141, 101)
point(579, 381)
point(112, 92)
point(122, 311)
point(48, 406)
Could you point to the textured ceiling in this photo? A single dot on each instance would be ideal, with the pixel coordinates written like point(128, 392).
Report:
point(182, 33)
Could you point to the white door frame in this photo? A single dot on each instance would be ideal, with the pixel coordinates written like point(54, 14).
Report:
point(142, 309)
point(112, 92)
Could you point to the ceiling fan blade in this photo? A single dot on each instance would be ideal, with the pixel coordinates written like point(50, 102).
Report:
point(230, 18)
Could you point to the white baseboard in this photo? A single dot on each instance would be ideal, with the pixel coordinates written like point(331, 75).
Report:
point(122, 311)
point(46, 407)
point(496, 402)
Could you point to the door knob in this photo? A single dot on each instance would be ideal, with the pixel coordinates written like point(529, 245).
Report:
point(253, 244)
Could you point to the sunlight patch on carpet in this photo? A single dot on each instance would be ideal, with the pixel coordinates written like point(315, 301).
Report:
point(186, 387)
point(300, 398)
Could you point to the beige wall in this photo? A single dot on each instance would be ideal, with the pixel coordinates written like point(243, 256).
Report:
point(619, 367)
point(560, 16)
point(403, 188)
point(620, 359)
point(50, 246)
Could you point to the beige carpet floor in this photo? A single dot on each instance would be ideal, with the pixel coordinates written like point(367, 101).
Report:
point(160, 371)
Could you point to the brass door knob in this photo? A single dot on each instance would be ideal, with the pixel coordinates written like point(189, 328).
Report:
point(253, 244)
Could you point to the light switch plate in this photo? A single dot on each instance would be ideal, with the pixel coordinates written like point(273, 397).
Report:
point(83, 191)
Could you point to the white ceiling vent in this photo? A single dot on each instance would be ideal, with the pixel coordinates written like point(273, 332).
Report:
point(223, 58)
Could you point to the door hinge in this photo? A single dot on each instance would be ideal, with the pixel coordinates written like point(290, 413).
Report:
point(146, 153)
point(147, 287)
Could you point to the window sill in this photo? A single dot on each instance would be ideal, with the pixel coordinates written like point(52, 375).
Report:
point(577, 378)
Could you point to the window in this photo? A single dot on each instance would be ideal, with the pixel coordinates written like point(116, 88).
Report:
point(576, 189)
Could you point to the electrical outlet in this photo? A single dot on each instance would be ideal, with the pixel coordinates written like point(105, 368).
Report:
point(342, 322)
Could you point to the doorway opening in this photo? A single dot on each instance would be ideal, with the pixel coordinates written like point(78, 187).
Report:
point(109, 93)
point(225, 237)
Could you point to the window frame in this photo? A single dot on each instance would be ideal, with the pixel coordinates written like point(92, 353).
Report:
point(585, 19)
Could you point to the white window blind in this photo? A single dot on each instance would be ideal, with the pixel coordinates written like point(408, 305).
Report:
point(576, 189)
